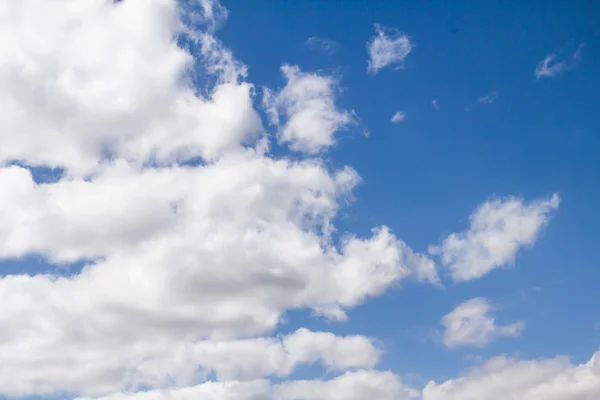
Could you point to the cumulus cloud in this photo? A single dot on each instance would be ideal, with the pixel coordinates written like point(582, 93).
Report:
point(499, 378)
point(102, 80)
point(398, 117)
point(498, 230)
point(551, 66)
point(358, 385)
point(195, 239)
point(307, 107)
point(182, 263)
point(389, 47)
point(504, 377)
point(471, 324)
point(350, 386)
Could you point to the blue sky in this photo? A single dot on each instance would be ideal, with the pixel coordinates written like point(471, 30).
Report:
point(423, 177)
point(485, 122)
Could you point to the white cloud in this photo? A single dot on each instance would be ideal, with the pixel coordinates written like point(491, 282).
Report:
point(387, 47)
point(399, 116)
point(435, 105)
point(499, 378)
point(308, 107)
point(470, 324)
point(503, 378)
point(190, 268)
point(324, 45)
point(487, 99)
point(498, 229)
point(250, 248)
point(359, 385)
point(550, 67)
point(350, 386)
point(196, 239)
point(97, 78)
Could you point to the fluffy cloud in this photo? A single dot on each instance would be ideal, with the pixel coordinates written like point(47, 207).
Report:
point(387, 47)
point(359, 385)
point(196, 240)
point(470, 324)
point(350, 386)
point(499, 378)
point(307, 106)
point(398, 117)
point(178, 263)
point(498, 229)
point(503, 378)
point(550, 67)
point(93, 80)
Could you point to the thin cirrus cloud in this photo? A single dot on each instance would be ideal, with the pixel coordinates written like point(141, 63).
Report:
point(498, 230)
point(552, 66)
point(471, 324)
point(324, 45)
point(488, 99)
point(389, 47)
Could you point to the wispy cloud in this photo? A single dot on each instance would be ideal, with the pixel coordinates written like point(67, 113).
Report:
point(551, 66)
point(398, 117)
point(435, 105)
point(488, 99)
point(324, 45)
point(388, 47)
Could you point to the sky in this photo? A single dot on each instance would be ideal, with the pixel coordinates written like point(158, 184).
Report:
point(258, 200)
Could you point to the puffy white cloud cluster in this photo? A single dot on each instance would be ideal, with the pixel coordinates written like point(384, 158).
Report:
point(387, 48)
point(470, 324)
point(499, 378)
point(498, 230)
point(306, 103)
point(196, 239)
point(510, 378)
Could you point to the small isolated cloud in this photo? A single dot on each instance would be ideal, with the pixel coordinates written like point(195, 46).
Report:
point(471, 325)
point(499, 229)
point(435, 105)
point(307, 105)
point(324, 45)
point(388, 47)
point(551, 66)
point(488, 99)
point(398, 117)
